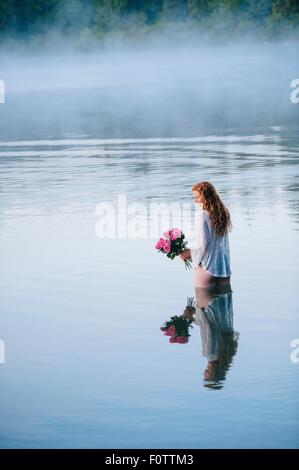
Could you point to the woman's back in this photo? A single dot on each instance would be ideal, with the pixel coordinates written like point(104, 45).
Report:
point(210, 250)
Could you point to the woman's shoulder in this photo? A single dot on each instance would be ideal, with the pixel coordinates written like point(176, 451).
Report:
point(205, 215)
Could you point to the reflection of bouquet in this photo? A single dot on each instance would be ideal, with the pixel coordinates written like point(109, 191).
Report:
point(173, 245)
point(178, 326)
point(191, 302)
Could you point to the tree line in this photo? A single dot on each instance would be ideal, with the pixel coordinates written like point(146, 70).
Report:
point(19, 18)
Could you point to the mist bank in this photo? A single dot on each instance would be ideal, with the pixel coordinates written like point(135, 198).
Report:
point(127, 93)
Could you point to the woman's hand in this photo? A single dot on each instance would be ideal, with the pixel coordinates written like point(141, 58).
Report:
point(189, 312)
point(186, 254)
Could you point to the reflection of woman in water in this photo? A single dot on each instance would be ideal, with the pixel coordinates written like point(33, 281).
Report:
point(210, 252)
point(214, 315)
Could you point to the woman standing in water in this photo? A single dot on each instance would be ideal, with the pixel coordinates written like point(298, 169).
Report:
point(210, 252)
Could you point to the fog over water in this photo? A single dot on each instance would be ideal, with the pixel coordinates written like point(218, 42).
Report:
point(150, 92)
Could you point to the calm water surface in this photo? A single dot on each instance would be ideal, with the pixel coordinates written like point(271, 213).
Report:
point(86, 364)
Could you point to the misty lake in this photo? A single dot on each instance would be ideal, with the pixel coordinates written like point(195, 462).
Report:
point(86, 364)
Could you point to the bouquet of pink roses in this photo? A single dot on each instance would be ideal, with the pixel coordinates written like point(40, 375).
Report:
point(177, 327)
point(173, 245)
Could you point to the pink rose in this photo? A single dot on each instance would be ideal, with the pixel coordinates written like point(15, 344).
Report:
point(160, 244)
point(167, 233)
point(175, 233)
point(171, 331)
point(182, 339)
point(179, 339)
point(166, 246)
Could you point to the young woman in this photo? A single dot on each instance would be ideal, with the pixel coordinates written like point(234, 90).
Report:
point(210, 251)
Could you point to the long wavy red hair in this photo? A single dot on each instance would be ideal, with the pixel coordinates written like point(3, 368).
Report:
point(219, 214)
